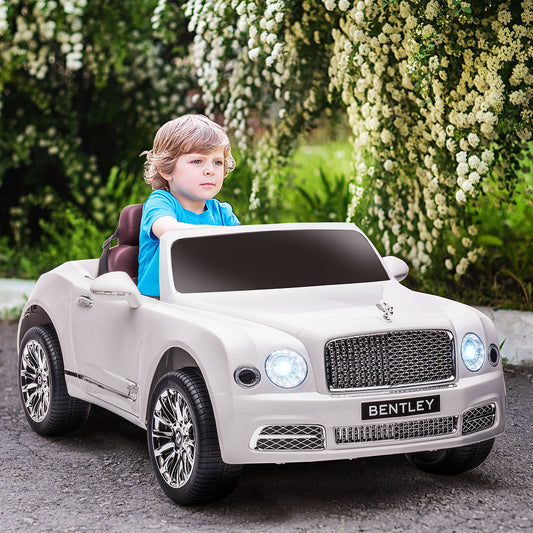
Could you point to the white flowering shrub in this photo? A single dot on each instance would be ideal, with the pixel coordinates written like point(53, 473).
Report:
point(264, 65)
point(83, 88)
point(437, 93)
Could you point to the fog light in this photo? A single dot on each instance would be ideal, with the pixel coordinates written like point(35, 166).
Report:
point(494, 355)
point(247, 376)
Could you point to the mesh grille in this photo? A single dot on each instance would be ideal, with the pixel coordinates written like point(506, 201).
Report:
point(414, 429)
point(389, 359)
point(479, 418)
point(299, 438)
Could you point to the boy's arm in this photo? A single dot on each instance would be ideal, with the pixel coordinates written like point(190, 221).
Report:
point(167, 223)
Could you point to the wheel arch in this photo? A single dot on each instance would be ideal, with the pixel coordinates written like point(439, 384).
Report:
point(34, 315)
point(174, 358)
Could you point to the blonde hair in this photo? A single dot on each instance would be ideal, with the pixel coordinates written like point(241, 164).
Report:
point(184, 135)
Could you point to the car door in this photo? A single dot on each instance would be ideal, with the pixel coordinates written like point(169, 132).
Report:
point(107, 340)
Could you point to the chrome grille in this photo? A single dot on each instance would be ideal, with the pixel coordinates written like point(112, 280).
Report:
point(389, 359)
point(479, 418)
point(414, 429)
point(292, 437)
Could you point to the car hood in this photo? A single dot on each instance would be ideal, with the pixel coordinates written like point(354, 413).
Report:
point(336, 310)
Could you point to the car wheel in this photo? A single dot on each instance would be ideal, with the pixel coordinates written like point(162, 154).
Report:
point(183, 441)
point(452, 461)
point(47, 405)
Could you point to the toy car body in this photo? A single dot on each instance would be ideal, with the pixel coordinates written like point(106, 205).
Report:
point(269, 344)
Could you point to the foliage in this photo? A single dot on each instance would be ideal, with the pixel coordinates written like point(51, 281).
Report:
point(83, 87)
point(437, 94)
point(257, 61)
point(329, 202)
point(68, 234)
point(237, 191)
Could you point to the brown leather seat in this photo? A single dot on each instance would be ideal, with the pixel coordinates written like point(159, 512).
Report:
point(124, 256)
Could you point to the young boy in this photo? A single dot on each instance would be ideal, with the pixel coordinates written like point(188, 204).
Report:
point(186, 168)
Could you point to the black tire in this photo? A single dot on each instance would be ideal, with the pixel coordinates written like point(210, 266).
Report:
point(452, 461)
point(183, 442)
point(47, 405)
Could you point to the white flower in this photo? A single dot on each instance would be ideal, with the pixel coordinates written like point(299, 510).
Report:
point(344, 5)
point(440, 199)
point(386, 137)
point(473, 139)
point(474, 178)
point(462, 169)
point(462, 266)
point(487, 157)
point(467, 186)
point(474, 161)
point(388, 165)
point(254, 53)
point(518, 97)
point(461, 157)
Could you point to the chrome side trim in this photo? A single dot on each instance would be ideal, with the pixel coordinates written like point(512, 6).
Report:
point(132, 387)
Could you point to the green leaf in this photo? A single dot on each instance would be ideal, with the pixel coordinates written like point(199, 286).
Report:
point(490, 240)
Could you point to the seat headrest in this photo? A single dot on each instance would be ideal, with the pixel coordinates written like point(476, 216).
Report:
point(129, 224)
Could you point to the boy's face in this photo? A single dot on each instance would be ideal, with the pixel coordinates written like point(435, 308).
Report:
point(196, 178)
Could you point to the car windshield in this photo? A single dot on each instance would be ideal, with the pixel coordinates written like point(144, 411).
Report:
point(274, 260)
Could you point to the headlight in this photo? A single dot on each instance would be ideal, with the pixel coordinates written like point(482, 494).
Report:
point(286, 368)
point(472, 352)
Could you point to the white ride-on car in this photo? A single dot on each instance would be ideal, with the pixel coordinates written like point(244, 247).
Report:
point(269, 344)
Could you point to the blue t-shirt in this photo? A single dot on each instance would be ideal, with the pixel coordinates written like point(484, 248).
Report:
point(160, 204)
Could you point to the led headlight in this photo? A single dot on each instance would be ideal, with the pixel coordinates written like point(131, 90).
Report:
point(286, 368)
point(472, 352)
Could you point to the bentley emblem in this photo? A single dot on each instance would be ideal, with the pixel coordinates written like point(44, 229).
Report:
point(387, 309)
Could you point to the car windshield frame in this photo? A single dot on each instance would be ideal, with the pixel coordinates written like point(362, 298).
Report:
point(263, 260)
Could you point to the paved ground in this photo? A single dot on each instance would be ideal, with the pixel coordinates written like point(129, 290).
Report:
point(100, 479)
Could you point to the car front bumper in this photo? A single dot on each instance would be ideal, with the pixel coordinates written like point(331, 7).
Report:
point(301, 427)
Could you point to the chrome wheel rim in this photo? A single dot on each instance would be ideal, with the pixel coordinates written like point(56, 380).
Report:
point(173, 438)
point(35, 381)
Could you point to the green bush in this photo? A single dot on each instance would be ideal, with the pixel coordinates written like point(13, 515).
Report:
point(83, 88)
point(437, 95)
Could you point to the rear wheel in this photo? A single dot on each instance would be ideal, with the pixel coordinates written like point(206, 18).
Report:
point(452, 461)
point(47, 405)
point(183, 441)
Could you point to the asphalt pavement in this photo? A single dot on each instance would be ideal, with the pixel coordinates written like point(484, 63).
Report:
point(99, 479)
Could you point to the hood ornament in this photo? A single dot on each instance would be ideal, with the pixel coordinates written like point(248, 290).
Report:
point(387, 309)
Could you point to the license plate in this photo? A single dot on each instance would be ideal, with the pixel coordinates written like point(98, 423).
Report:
point(396, 408)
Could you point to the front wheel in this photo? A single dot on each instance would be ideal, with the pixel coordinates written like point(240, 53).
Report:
point(47, 405)
point(452, 461)
point(183, 441)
